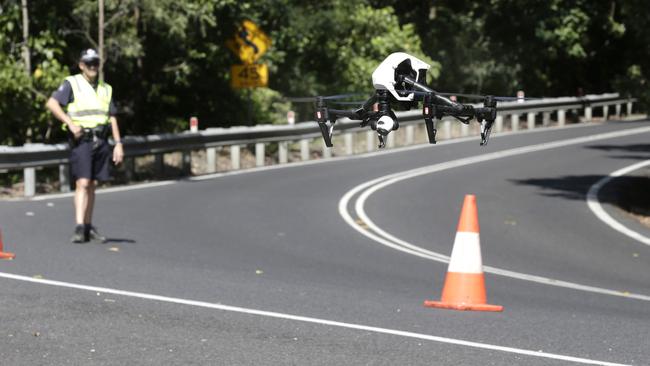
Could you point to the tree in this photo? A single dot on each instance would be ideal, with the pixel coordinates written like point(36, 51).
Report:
point(23, 93)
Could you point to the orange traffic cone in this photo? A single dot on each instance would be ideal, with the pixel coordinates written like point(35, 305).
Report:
point(464, 287)
point(5, 255)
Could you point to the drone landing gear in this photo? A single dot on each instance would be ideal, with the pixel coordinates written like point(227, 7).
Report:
point(429, 113)
point(382, 141)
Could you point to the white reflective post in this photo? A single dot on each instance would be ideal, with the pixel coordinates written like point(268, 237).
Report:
point(446, 127)
point(498, 124)
point(304, 149)
point(410, 134)
point(464, 129)
point(327, 152)
point(29, 177)
point(64, 178)
point(546, 119)
point(370, 140)
point(515, 122)
point(588, 114)
point(605, 112)
point(349, 143)
point(283, 152)
point(530, 119)
point(561, 117)
point(390, 141)
point(259, 154)
point(211, 159)
point(617, 110)
point(235, 153)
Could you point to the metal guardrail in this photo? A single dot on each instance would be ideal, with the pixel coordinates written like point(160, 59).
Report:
point(31, 156)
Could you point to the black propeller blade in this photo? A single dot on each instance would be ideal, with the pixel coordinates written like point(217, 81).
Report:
point(326, 97)
point(468, 96)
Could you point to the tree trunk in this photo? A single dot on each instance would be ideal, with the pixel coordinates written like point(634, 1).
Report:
point(26, 52)
point(27, 58)
point(100, 36)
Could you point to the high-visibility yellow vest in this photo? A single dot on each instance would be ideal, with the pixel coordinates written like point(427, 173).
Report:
point(90, 106)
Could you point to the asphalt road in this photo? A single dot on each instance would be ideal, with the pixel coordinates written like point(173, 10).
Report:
point(261, 268)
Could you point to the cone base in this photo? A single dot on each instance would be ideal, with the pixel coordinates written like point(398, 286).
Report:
point(5, 255)
point(462, 306)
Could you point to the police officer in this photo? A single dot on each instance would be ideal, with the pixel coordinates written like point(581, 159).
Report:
point(89, 117)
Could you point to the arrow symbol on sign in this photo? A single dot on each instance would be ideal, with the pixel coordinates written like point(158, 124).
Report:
point(243, 34)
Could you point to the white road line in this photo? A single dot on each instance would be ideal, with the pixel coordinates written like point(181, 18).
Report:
point(595, 206)
point(305, 319)
point(379, 235)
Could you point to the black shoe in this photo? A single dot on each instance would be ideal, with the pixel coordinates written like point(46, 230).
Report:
point(79, 235)
point(93, 235)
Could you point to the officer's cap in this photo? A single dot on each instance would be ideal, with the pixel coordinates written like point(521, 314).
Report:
point(88, 55)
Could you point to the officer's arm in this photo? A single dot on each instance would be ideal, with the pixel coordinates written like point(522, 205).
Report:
point(54, 107)
point(118, 151)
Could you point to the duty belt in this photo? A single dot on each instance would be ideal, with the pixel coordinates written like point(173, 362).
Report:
point(95, 134)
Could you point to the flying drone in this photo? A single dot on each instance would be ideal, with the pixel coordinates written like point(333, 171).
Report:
point(402, 78)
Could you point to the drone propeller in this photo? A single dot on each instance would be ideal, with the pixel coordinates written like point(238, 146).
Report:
point(468, 96)
point(349, 103)
point(326, 97)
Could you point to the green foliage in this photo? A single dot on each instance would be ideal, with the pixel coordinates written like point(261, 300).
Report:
point(22, 94)
point(167, 59)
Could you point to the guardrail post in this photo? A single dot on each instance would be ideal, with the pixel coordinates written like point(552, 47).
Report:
point(187, 162)
point(29, 179)
point(561, 117)
point(211, 159)
point(629, 108)
point(283, 152)
point(515, 122)
point(446, 127)
point(530, 119)
point(390, 141)
point(546, 119)
point(159, 164)
point(129, 168)
point(327, 152)
point(617, 110)
point(304, 149)
point(235, 154)
point(64, 178)
point(588, 113)
point(349, 143)
point(498, 124)
point(410, 134)
point(605, 112)
point(464, 129)
point(259, 154)
point(370, 140)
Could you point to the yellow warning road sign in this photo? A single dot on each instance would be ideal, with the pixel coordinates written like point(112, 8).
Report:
point(249, 76)
point(249, 42)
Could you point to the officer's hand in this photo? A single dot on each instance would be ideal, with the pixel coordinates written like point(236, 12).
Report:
point(77, 131)
point(118, 154)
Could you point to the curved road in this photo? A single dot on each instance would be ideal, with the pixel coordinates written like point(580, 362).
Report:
point(261, 267)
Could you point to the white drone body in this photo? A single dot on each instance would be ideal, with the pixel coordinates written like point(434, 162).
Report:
point(399, 63)
point(402, 78)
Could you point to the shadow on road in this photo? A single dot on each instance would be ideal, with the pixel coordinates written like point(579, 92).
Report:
point(631, 192)
point(640, 151)
point(569, 186)
point(119, 240)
